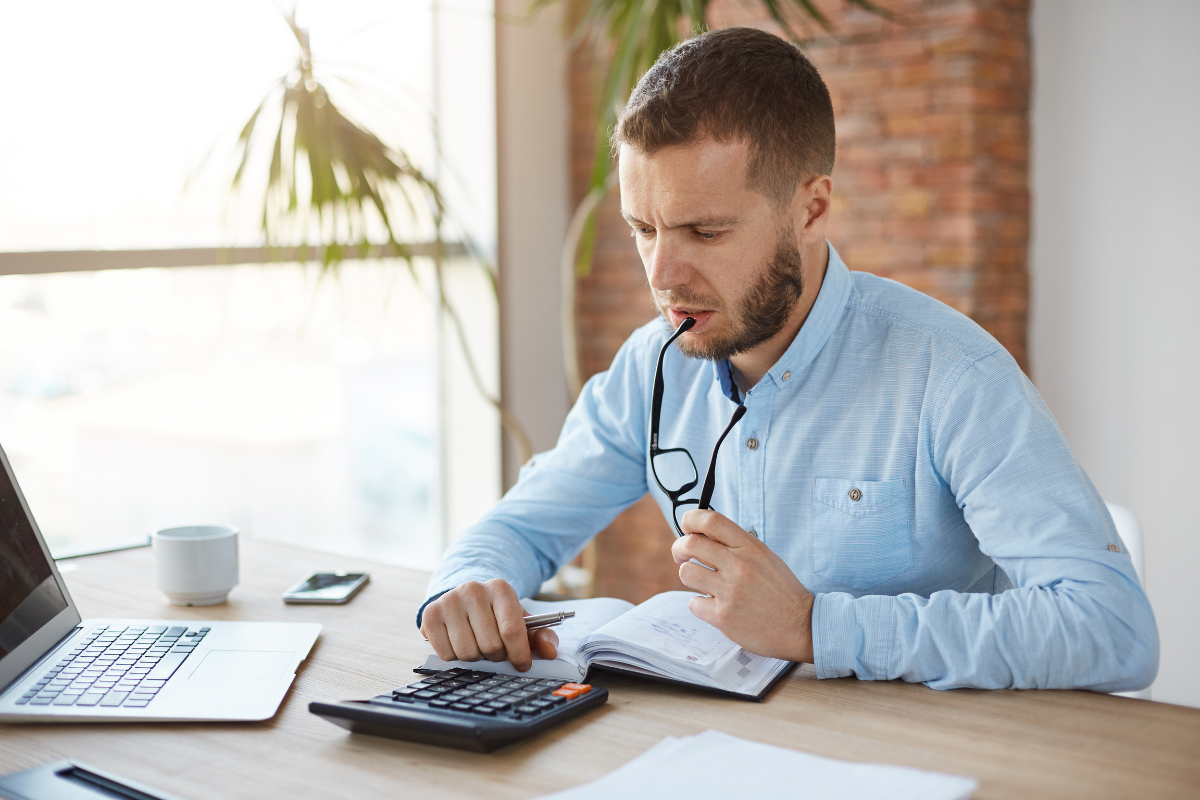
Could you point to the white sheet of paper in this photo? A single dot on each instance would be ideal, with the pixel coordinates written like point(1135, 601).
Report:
point(717, 766)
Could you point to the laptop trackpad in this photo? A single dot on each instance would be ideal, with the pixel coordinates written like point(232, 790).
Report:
point(243, 665)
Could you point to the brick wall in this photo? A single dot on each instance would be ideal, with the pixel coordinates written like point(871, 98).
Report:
point(930, 189)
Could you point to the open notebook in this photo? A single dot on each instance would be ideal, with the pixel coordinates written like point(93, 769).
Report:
point(659, 639)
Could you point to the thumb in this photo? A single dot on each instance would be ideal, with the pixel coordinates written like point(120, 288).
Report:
point(544, 642)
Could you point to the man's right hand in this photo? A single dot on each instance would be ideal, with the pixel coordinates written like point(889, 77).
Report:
point(484, 620)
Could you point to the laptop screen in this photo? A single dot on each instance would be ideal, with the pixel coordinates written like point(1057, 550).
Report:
point(29, 594)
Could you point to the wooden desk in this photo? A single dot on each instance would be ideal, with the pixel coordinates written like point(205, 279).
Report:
point(1016, 744)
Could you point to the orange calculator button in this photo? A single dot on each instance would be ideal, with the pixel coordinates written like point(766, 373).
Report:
point(572, 690)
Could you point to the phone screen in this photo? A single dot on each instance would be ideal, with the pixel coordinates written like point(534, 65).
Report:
point(327, 586)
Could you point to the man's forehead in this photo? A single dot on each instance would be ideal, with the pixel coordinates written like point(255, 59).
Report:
point(707, 178)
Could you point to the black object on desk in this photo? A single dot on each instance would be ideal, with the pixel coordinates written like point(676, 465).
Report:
point(466, 709)
point(71, 780)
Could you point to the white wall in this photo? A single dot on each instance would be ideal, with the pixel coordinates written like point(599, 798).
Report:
point(532, 130)
point(1115, 274)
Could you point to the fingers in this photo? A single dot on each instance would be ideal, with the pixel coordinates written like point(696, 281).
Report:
point(458, 628)
point(510, 619)
point(477, 620)
point(699, 578)
point(717, 527)
point(484, 625)
point(433, 628)
point(698, 547)
point(704, 609)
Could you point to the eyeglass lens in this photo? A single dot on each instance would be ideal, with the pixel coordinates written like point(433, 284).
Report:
point(674, 470)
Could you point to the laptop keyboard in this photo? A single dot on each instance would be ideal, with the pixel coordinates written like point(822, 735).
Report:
point(115, 666)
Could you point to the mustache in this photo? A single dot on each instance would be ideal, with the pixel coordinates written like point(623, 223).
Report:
point(686, 298)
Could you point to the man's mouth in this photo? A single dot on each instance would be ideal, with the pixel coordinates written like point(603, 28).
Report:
point(677, 315)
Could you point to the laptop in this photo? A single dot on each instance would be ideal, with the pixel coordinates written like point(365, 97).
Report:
point(57, 667)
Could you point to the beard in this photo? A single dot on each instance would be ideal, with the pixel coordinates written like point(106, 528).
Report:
point(759, 314)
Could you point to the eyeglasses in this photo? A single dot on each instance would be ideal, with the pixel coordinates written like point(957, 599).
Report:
point(674, 468)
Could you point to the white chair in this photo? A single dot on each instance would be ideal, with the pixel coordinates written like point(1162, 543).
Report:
point(1131, 535)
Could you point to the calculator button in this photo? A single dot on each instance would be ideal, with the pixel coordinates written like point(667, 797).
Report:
point(528, 709)
point(425, 694)
point(459, 707)
point(438, 703)
point(405, 690)
point(487, 712)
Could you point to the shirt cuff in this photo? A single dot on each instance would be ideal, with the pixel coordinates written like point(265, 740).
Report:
point(853, 636)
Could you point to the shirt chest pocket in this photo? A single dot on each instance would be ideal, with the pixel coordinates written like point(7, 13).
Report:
point(860, 531)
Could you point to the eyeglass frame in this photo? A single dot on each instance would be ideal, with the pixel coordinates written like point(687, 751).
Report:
point(710, 477)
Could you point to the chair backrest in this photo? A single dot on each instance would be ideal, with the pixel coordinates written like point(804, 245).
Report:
point(1131, 534)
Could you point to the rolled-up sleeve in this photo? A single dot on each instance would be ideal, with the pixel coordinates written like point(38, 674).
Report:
point(1076, 616)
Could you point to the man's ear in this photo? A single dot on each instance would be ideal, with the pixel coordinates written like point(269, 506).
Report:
point(811, 208)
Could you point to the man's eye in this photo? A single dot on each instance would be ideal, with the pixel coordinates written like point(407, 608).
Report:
point(708, 236)
point(644, 231)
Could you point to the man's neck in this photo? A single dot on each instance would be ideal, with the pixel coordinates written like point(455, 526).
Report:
point(749, 367)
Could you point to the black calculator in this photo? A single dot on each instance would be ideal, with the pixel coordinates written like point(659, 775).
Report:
point(466, 709)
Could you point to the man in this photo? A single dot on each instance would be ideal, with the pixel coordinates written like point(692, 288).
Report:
point(897, 501)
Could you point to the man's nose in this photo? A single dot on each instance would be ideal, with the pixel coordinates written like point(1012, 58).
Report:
point(668, 266)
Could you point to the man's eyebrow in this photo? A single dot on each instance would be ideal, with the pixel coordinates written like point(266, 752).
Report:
point(704, 222)
point(711, 222)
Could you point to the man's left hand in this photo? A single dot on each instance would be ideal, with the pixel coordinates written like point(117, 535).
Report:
point(756, 600)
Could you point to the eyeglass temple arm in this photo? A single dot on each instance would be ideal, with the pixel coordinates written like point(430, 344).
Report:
point(710, 477)
point(656, 401)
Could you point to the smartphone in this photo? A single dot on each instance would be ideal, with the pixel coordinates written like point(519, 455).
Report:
point(326, 587)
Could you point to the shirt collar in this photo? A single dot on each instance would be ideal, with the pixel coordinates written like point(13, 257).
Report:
point(816, 330)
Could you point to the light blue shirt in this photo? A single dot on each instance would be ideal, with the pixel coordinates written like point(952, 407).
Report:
point(977, 552)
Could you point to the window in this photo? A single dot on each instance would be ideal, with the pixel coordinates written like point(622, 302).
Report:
point(330, 409)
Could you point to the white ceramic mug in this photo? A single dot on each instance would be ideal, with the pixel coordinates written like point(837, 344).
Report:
point(197, 565)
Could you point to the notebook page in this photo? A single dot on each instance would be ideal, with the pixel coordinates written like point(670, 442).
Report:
point(664, 624)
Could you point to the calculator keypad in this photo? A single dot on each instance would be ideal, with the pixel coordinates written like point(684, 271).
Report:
point(490, 695)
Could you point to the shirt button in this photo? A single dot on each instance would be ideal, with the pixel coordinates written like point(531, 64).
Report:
point(855, 495)
point(752, 443)
point(787, 375)
point(1112, 548)
point(752, 533)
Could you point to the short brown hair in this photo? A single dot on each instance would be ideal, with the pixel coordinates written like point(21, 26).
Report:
point(737, 84)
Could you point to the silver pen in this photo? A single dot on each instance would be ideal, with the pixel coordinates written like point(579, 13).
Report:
point(538, 621)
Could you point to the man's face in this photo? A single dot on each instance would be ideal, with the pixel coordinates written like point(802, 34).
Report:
point(713, 249)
